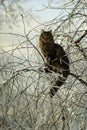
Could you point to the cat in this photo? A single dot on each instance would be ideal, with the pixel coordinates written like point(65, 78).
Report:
point(56, 59)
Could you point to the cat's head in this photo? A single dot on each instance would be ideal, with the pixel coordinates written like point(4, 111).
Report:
point(46, 36)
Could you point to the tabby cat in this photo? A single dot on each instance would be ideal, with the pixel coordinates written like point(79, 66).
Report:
point(56, 59)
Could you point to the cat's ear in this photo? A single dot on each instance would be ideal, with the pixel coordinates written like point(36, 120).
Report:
point(50, 31)
point(42, 30)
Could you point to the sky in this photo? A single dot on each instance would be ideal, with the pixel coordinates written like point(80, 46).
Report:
point(39, 9)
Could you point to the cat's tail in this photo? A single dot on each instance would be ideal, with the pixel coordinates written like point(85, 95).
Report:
point(59, 83)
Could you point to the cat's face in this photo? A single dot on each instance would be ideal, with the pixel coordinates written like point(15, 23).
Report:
point(46, 36)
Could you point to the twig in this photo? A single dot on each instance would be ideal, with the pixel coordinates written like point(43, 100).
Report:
point(77, 77)
point(80, 38)
point(78, 41)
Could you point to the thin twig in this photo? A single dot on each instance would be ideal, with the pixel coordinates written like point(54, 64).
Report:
point(77, 77)
point(80, 38)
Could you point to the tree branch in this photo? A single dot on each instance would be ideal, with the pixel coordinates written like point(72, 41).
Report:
point(81, 37)
point(78, 40)
point(77, 77)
